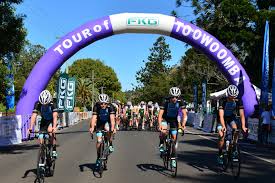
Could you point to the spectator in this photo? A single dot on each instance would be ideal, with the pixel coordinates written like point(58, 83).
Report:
point(265, 118)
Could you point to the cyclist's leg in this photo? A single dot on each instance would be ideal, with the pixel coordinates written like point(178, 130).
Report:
point(43, 127)
point(52, 137)
point(235, 134)
point(163, 134)
point(174, 132)
point(109, 133)
point(143, 121)
point(221, 136)
point(100, 127)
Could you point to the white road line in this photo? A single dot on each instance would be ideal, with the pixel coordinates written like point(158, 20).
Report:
point(253, 155)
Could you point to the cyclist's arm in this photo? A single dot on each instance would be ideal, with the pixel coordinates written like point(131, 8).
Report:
point(55, 115)
point(112, 118)
point(160, 116)
point(184, 117)
point(221, 113)
point(93, 121)
point(242, 117)
point(33, 120)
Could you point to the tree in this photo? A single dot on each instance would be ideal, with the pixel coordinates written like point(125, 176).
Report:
point(154, 80)
point(241, 30)
point(23, 64)
point(84, 91)
point(12, 32)
point(104, 75)
point(160, 54)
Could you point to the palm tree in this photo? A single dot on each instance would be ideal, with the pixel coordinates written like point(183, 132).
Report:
point(85, 91)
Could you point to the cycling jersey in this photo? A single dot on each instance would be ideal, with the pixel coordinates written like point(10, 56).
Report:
point(46, 112)
point(103, 115)
point(171, 112)
point(150, 109)
point(231, 108)
point(142, 110)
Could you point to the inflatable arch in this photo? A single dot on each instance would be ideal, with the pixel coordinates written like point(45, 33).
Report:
point(133, 23)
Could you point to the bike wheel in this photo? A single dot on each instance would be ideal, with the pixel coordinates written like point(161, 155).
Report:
point(225, 161)
point(39, 180)
point(41, 160)
point(236, 164)
point(101, 165)
point(174, 169)
point(51, 168)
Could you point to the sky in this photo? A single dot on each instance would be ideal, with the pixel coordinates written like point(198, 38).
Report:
point(47, 20)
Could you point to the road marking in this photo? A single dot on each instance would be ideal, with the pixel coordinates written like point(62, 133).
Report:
point(245, 152)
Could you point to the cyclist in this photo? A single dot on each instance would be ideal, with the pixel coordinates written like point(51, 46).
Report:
point(135, 115)
point(169, 112)
point(128, 114)
point(150, 109)
point(103, 117)
point(49, 113)
point(142, 113)
point(229, 107)
point(117, 113)
point(156, 113)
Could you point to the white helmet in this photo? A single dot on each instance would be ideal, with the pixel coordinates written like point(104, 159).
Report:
point(232, 91)
point(45, 97)
point(156, 105)
point(150, 103)
point(142, 103)
point(103, 98)
point(174, 91)
point(129, 103)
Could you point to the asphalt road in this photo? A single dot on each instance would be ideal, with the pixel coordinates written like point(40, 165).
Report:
point(136, 159)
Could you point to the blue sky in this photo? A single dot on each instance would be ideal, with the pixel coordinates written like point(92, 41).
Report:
point(48, 20)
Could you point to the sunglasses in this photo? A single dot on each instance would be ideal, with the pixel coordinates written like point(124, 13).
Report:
point(103, 103)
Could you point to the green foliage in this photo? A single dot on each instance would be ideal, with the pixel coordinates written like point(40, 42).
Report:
point(104, 75)
point(154, 78)
point(160, 53)
point(239, 25)
point(3, 83)
point(12, 32)
point(84, 92)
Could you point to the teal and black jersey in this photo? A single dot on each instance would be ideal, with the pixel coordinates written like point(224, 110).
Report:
point(231, 108)
point(103, 115)
point(46, 111)
point(171, 110)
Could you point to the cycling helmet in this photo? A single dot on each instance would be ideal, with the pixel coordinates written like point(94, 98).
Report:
point(129, 103)
point(150, 103)
point(45, 97)
point(156, 105)
point(232, 91)
point(142, 103)
point(174, 92)
point(103, 98)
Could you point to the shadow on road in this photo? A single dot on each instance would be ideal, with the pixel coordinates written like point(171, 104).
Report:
point(91, 167)
point(157, 168)
point(33, 171)
point(18, 149)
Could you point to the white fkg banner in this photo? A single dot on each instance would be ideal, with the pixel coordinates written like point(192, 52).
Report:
point(253, 127)
point(10, 130)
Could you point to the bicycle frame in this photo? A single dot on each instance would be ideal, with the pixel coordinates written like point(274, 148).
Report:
point(228, 155)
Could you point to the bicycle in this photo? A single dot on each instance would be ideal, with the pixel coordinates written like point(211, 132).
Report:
point(166, 154)
point(103, 151)
point(45, 161)
point(232, 154)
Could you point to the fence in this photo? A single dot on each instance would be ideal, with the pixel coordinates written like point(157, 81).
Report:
point(14, 129)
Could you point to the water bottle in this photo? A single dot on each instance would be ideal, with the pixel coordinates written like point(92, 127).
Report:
point(227, 145)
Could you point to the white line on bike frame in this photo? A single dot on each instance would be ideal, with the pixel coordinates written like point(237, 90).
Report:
point(253, 155)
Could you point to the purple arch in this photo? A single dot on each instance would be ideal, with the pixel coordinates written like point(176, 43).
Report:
point(104, 27)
